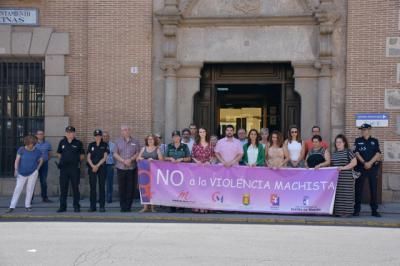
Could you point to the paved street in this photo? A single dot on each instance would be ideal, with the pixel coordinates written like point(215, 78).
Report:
point(47, 212)
point(60, 243)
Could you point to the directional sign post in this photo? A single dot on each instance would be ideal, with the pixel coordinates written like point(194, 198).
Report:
point(375, 120)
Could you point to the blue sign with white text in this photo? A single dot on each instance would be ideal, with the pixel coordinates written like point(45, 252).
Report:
point(375, 120)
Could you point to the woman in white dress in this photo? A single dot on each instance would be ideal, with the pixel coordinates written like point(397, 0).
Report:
point(295, 147)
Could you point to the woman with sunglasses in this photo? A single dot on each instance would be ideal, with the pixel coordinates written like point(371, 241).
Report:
point(295, 148)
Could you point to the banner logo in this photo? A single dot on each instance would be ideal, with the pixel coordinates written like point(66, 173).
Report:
point(246, 199)
point(306, 201)
point(217, 197)
point(183, 196)
point(274, 200)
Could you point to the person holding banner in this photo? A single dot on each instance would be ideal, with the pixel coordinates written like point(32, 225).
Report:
point(315, 130)
point(202, 153)
point(275, 154)
point(150, 151)
point(229, 150)
point(177, 152)
point(318, 156)
point(253, 151)
point(345, 160)
point(295, 148)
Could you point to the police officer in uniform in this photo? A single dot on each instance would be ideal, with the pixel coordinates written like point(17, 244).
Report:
point(97, 153)
point(368, 157)
point(70, 152)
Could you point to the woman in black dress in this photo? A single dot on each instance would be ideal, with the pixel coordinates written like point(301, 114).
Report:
point(345, 160)
point(317, 157)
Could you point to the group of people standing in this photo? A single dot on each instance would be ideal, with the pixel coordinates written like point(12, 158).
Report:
point(198, 146)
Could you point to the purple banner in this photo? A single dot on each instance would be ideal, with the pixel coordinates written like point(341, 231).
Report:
point(238, 188)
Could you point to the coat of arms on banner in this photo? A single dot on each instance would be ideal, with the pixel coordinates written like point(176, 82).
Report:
point(247, 6)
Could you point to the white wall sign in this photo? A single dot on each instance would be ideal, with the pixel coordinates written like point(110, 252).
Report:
point(398, 125)
point(398, 73)
point(392, 99)
point(134, 70)
point(392, 151)
point(19, 16)
point(393, 47)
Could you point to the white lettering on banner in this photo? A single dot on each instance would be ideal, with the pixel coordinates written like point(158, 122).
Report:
point(306, 186)
point(175, 177)
point(240, 183)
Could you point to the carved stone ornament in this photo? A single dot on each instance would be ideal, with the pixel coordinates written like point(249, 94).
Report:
point(247, 6)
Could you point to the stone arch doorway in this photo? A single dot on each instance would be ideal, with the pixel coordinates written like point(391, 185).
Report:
point(248, 95)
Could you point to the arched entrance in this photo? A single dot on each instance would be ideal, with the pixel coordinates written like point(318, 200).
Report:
point(252, 95)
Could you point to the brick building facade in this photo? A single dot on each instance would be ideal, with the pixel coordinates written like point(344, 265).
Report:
point(371, 71)
point(326, 64)
point(87, 87)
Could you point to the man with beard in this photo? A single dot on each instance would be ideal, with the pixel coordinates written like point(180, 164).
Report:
point(229, 150)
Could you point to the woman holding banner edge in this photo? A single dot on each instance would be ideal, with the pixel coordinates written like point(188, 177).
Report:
point(345, 160)
point(150, 151)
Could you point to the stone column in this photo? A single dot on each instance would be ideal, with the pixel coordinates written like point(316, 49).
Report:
point(327, 15)
point(169, 17)
point(188, 86)
point(324, 119)
point(306, 84)
point(170, 97)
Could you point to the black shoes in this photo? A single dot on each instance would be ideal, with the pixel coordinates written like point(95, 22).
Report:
point(47, 200)
point(10, 210)
point(376, 214)
point(102, 209)
point(61, 210)
point(92, 210)
point(77, 210)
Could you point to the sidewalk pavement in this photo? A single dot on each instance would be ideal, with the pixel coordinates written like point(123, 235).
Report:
point(47, 212)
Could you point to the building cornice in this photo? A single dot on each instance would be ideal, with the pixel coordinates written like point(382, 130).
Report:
point(308, 19)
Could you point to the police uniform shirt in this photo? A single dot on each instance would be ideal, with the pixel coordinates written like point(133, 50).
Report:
point(97, 152)
point(177, 153)
point(70, 151)
point(367, 148)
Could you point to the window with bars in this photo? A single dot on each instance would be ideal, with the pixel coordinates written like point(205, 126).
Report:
point(21, 107)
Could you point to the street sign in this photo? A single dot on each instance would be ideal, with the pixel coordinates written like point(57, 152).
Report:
point(375, 120)
point(19, 16)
